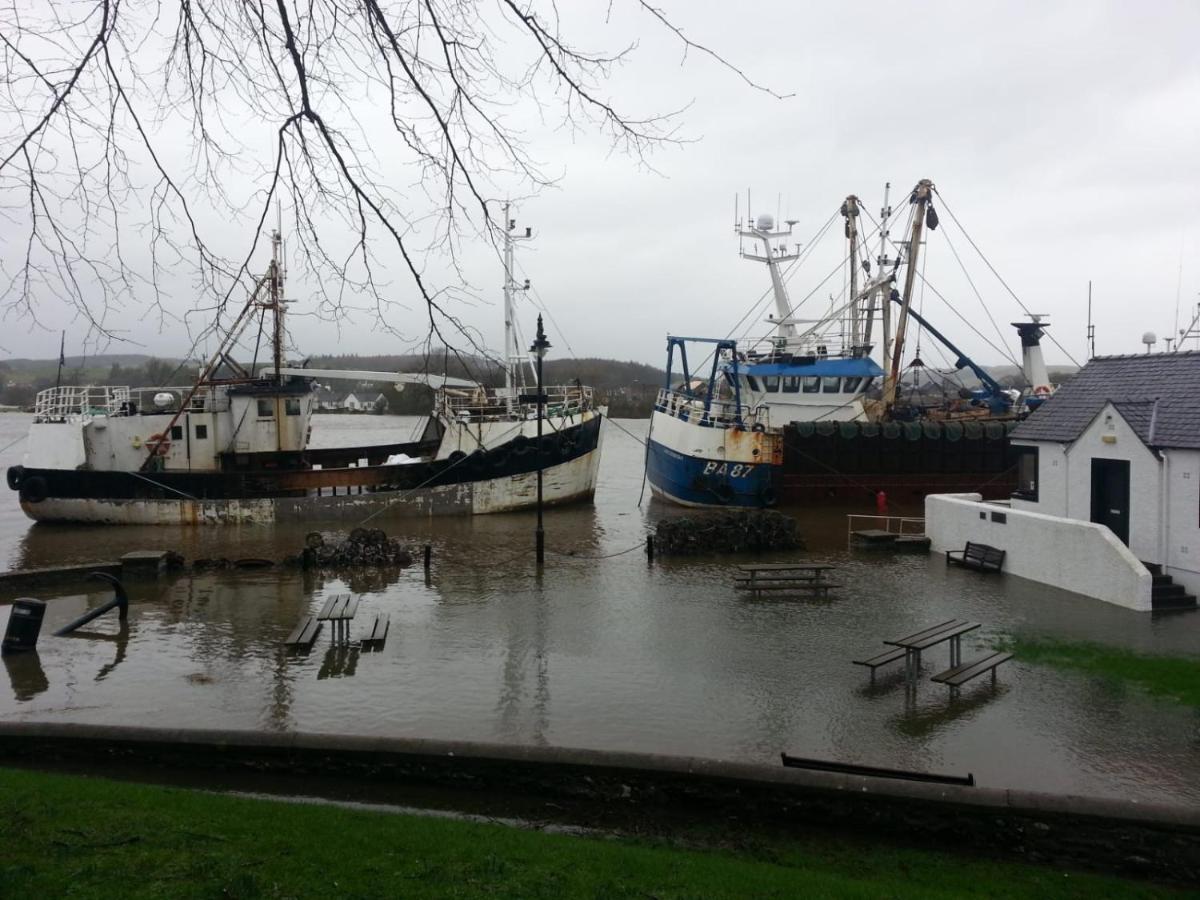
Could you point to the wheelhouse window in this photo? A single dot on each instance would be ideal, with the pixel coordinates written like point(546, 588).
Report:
point(1027, 474)
point(752, 382)
point(812, 384)
point(201, 432)
point(177, 432)
point(791, 384)
point(266, 408)
point(771, 383)
point(850, 385)
point(291, 406)
point(830, 385)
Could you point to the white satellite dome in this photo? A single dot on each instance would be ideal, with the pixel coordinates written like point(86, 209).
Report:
point(1149, 338)
point(765, 222)
point(163, 399)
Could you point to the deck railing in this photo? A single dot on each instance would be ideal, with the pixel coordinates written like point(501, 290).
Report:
point(485, 405)
point(720, 414)
point(81, 402)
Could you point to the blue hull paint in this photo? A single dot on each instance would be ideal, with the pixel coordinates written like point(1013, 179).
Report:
point(696, 481)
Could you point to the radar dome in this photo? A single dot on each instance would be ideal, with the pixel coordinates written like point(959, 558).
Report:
point(765, 222)
point(1149, 338)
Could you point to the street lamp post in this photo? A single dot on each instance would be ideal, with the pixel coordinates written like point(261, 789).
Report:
point(539, 348)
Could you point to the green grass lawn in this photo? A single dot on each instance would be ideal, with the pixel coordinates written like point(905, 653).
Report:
point(1173, 677)
point(65, 836)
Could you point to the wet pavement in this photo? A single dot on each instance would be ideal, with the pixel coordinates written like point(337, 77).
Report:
point(602, 650)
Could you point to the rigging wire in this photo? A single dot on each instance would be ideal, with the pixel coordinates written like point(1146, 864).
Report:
point(987, 311)
point(992, 268)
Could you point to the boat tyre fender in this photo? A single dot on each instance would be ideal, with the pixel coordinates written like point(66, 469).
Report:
point(521, 445)
point(456, 457)
point(477, 463)
point(767, 497)
point(14, 476)
point(33, 489)
point(723, 492)
point(758, 427)
point(566, 443)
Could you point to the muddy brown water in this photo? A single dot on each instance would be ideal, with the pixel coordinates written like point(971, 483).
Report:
point(601, 650)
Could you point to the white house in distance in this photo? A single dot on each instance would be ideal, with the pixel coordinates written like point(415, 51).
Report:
point(1108, 498)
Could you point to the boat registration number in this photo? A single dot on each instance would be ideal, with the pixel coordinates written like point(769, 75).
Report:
point(737, 470)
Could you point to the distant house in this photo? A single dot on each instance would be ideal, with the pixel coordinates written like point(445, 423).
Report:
point(1118, 446)
point(350, 401)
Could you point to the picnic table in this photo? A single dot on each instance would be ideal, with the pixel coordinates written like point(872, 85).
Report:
point(758, 577)
point(951, 630)
point(339, 609)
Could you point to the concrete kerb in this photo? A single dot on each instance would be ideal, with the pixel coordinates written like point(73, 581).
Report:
point(1147, 839)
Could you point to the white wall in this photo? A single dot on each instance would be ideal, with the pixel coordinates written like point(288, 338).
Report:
point(1183, 517)
point(1067, 553)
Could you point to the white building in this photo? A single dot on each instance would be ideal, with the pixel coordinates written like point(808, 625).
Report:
point(1108, 499)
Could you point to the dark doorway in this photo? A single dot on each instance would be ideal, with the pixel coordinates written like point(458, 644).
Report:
point(1110, 495)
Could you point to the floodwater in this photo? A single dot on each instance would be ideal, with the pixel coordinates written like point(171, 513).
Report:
point(602, 650)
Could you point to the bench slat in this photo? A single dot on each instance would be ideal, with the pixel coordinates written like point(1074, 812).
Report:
point(350, 608)
point(963, 673)
point(304, 634)
point(327, 609)
point(881, 660)
point(800, 586)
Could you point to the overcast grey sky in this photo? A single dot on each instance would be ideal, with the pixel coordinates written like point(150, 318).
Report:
point(1064, 136)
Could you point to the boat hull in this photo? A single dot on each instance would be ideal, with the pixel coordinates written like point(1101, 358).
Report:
point(502, 479)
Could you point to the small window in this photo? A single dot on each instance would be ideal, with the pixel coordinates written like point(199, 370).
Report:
point(850, 385)
point(830, 385)
point(291, 406)
point(771, 383)
point(266, 408)
point(791, 384)
point(812, 384)
point(177, 432)
point(1027, 474)
point(201, 432)
point(753, 382)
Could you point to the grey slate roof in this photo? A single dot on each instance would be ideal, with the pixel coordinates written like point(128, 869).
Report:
point(1135, 385)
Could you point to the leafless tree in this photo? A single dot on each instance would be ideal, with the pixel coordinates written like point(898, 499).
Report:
point(145, 141)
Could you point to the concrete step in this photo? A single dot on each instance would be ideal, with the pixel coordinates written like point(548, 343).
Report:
point(1155, 568)
point(1166, 591)
point(1181, 601)
point(1163, 579)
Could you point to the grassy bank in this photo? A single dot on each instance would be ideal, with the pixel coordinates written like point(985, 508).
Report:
point(69, 836)
point(1172, 677)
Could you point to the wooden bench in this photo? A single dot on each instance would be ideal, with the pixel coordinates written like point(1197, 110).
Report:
point(794, 577)
point(961, 674)
point(304, 635)
point(339, 609)
point(376, 633)
point(887, 656)
point(981, 557)
point(791, 585)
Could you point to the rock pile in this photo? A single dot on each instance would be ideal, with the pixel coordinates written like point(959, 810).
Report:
point(734, 531)
point(364, 547)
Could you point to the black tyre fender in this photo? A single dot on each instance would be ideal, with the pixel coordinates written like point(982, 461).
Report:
point(456, 457)
point(14, 476)
point(34, 489)
point(767, 497)
point(566, 443)
point(758, 427)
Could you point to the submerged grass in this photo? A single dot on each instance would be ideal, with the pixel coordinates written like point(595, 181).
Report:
point(1171, 677)
point(84, 837)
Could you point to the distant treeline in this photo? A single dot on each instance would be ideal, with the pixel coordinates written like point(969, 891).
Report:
point(628, 388)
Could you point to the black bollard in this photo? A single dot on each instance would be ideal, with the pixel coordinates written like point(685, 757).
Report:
point(24, 626)
point(428, 555)
point(649, 548)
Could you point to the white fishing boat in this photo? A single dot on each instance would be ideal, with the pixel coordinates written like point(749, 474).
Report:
point(233, 446)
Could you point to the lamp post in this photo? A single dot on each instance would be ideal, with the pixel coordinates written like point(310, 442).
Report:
point(539, 348)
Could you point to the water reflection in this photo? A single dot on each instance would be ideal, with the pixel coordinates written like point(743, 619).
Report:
point(26, 675)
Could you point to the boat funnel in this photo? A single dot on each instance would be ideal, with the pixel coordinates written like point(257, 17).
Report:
point(1033, 365)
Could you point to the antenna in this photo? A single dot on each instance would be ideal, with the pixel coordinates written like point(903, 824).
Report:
point(1091, 329)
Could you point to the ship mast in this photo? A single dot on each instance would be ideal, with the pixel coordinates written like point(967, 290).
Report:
point(850, 212)
point(513, 355)
point(275, 292)
point(920, 198)
point(881, 261)
point(763, 229)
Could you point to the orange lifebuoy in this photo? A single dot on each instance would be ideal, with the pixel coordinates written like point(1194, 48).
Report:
point(160, 444)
